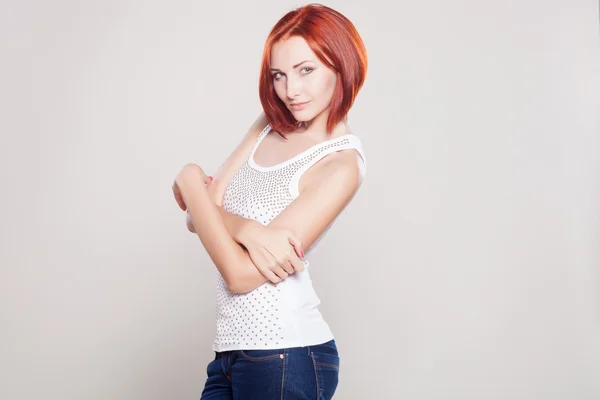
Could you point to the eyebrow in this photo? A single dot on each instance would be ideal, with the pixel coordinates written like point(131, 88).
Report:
point(295, 66)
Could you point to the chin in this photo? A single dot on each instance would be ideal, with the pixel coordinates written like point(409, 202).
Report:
point(302, 116)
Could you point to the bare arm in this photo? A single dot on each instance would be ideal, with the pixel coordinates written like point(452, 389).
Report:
point(221, 178)
point(235, 224)
point(317, 206)
point(230, 259)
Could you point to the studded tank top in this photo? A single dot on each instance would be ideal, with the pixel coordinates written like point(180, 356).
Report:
point(285, 314)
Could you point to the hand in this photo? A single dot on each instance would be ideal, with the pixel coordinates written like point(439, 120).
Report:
point(274, 251)
point(178, 196)
point(188, 217)
point(185, 173)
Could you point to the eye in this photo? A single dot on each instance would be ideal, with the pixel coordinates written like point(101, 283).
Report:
point(275, 75)
point(309, 70)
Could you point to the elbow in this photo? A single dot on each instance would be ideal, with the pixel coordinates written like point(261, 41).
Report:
point(239, 272)
point(239, 285)
point(232, 277)
point(242, 283)
point(236, 287)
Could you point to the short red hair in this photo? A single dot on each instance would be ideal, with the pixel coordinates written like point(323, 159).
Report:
point(331, 36)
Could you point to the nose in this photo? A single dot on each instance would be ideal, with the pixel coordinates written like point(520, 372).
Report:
point(293, 88)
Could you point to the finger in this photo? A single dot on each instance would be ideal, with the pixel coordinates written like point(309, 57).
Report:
point(262, 264)
point(178, 197)
point(297, 264)
point(270, 275)
point(297, 244)
point(288, 267)
point(181, 202)
point(279, 271)
point(278, 265)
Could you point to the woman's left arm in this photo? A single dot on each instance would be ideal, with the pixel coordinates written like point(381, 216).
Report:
point(337, 180)
point(229, 257)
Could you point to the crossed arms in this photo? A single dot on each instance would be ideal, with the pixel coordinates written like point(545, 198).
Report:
point(246, 253)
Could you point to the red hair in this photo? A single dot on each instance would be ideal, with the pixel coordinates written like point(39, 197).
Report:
point(331, 36)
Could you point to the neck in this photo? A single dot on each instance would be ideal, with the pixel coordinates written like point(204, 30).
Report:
point(316, 128)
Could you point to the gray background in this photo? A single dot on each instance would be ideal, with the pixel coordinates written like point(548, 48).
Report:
point(467, 267)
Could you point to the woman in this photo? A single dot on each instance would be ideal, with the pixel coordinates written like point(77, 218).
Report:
point(275, 196)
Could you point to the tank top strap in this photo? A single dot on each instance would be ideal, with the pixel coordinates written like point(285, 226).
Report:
point(345, 142)
point(259, 139)
point(264, 132)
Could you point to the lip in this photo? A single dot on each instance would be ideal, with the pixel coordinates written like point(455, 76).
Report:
point(299, 106)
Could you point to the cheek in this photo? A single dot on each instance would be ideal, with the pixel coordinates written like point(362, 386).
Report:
point(331, 81)
point(279, 89)
point(315, 86)
point(325, 87)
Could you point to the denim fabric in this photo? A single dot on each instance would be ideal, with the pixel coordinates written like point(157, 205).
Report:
point(297, 373)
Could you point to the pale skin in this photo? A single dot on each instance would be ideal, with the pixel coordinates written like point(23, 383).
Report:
point(271, 253)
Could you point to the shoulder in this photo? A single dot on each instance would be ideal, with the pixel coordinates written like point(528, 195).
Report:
point(340, 171)
point(345, 163)
point(342, 165)
point(257, 127)
point(236, 158)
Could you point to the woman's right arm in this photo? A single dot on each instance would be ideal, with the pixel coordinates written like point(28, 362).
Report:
point(319, 203)
point(216, 188)
point(268, 248)
point(235, 224)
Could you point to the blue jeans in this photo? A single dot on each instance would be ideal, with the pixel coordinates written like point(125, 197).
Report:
point(307, 373)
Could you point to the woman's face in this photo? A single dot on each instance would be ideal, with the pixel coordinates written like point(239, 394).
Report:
point(301, 80)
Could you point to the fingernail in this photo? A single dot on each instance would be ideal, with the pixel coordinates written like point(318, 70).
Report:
point(302, 252)
point(210, 178)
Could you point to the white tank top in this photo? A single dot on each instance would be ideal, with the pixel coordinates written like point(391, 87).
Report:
point(285, 314)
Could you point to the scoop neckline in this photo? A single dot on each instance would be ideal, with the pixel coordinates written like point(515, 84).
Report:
point(282, 164)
